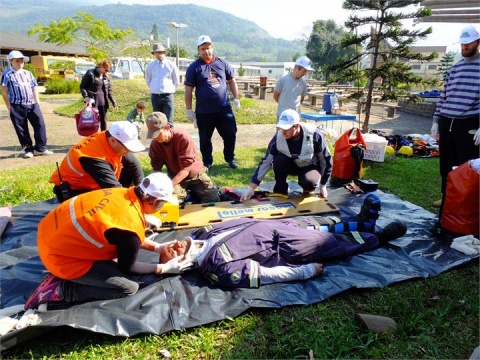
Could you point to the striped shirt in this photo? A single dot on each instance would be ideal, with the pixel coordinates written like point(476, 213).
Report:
point(20, 85)
point(460, 97)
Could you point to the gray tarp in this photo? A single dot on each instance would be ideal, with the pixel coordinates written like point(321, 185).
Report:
point(179, 302)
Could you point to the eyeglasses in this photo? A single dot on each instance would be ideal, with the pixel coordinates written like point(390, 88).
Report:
point(156, 203)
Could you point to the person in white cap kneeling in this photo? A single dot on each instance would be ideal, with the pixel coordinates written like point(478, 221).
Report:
point(90, 244)
point(296, 149)
point(455, 121)
point(102, 160)
point(20, 93)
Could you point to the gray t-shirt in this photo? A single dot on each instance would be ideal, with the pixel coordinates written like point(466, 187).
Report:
point(290, 90)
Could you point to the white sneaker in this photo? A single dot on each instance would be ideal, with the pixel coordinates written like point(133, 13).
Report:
point(28, 155)
point(41, 153)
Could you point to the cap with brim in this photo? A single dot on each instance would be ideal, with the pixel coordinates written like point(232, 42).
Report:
point(158, 47)
point(305, 63)
point(15, 54)
point(156, 121)
point(127, 134)
point(203, 39)
point(159, 186)
point(469, 35)
point(287, 119)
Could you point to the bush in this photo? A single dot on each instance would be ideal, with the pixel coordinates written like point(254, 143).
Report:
point(31, 68)
point(62, 86)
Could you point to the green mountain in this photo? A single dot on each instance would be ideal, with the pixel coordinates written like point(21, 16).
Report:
point(234, 38)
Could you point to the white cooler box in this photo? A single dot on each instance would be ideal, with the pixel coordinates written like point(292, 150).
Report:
point(376, 146)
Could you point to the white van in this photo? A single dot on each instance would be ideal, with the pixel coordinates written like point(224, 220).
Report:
point(128, 67)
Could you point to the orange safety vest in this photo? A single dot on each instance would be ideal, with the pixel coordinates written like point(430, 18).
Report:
point(94, 146)
point(72, 236)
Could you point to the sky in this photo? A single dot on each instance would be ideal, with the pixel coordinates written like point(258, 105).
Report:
point(291, 20)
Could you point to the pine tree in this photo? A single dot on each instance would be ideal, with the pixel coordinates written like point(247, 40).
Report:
point(445, 64)
point(154, 33)
point(387, 46)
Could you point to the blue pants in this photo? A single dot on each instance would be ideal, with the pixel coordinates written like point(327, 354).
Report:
point(164, 103)
point(283, 166)
point(20, 116)
point(224, 122)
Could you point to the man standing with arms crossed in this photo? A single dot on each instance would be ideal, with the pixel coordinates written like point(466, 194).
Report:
point(212, 77)
point(456, 118)
point(162, 78)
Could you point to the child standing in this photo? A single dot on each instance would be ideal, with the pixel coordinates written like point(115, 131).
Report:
point(136, 117)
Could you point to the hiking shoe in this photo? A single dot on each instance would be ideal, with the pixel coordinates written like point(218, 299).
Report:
point(369, 210)
point(28, 155)
point(48, 290)
point(437, 203)
point(392, 231)
point(233, 164)
point(42, 153)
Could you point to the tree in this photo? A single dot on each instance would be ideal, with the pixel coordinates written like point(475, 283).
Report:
point(445, 64)
point(323, 46)
point(154, 34)
point(241, 70)
point(387, 46)
point(100, 41)
point(172, 51)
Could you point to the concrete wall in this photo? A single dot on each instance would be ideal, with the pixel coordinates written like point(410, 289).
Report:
point(425, 108)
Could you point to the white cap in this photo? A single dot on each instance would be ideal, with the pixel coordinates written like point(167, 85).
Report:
point(304, 62)
point(15, 54)
point(287, 119)
point(159, 186)
point(469, 35)
point(203, 39)
point(126, 132)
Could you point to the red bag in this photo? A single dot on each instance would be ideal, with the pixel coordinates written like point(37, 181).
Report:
point(346, 166)
point(460, 212)
point(88, 121)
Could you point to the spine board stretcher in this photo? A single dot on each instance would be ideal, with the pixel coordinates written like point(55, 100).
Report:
point(191, 216)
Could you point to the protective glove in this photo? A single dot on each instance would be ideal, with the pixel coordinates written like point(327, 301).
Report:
point(236, 103)
point(175, 266)
point(191, 116)
point(434, 130)
point(153, 222)
point(476, 137)
point(247, 194)
point(323, 191)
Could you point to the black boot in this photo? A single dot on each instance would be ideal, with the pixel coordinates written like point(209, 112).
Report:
point(392, 231)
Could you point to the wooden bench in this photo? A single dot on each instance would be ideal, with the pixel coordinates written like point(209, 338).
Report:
point(261, 90)
point(391, 108)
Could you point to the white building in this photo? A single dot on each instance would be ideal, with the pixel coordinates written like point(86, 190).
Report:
point(427, 69)
point(272, 70)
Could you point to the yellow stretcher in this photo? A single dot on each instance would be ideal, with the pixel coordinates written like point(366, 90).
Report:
point(197, 215)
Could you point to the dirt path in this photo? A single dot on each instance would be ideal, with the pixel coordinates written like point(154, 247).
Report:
point(62, 133)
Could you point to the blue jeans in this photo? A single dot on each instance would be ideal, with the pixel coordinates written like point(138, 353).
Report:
point(164, 103)
point(20, 116)
point(224, 122)
point(103, 281)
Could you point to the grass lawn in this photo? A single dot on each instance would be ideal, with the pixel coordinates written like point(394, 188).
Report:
point(437, 317)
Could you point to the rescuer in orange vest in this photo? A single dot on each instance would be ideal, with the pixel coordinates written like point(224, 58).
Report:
point(99, 161)
point(90, 243)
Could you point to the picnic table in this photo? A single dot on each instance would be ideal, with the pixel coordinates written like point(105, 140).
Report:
point(327, 117)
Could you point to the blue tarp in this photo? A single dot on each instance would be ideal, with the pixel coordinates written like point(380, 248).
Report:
point(185, 301)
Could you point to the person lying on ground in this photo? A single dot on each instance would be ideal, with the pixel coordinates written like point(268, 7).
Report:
point(296, 149)
point(90, 243)
point(248, 253)
point(102, 160)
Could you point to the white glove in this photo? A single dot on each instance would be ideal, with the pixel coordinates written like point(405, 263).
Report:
point(236, 103)
point(476, 137)
point(434, 130)
point(153, 222)
point(323, 191)
point(247, 194)
point(175, 266)
point(191, 116)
